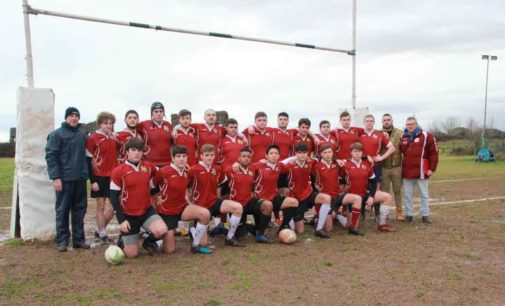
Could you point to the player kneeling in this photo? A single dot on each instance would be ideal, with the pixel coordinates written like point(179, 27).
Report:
point(130, 187)
point(360, 181)
point(241, 181)
point(173, 204)
point(205, 179)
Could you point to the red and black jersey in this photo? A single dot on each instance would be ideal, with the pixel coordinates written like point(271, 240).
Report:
point(345, 140)
point(307, 140)
point(356, 175)
point(327, 177)
point(103, 150)
point(205, 182)
point(373, 143)
point(157, 139)
point(331, 139)
point(284, 140)
point(123, 137)
point(207, 135)
point(299, 183)
point(187, 138)
point(230, 150)
point(259, 142)
point(135, 183)
point(266, 177)
point(241, 184)
point(173, 184)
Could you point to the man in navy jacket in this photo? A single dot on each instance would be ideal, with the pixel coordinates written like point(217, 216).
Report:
point(68, 169)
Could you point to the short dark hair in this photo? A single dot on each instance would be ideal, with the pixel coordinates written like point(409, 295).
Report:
point(179, 150)
point(301, 147)
point(283, 114)
point(231, 121)
point(271, 147)
point(387, 114)
point(131, 111)
point(344, 114)
point(134, 143)
point(184, 112)
point(260, 114)
point(323, 122)
point(356, 146)
point(325, 147)
point(305, 121)
point(245, 149)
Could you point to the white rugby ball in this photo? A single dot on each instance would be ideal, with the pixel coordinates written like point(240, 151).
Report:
point(287, 236)
point(114, 255)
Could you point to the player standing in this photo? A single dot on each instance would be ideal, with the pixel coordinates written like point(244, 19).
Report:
point(131, 119)
point(186, 136)
point(157, 135)
point(101, 152)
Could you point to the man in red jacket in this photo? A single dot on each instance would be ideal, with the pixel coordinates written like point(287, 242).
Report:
point(420, 159)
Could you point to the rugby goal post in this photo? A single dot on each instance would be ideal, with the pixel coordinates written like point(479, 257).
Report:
point(33, 196)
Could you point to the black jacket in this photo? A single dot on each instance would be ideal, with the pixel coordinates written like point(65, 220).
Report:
point(66, 154)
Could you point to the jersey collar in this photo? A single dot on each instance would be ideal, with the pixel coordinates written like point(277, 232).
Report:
point(180, 172)
point(205, 166)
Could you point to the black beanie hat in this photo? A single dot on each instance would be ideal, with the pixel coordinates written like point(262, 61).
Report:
point(72, 110)
point(157, 105)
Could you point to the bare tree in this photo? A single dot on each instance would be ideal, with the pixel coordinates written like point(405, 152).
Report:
point(472, 124)
point(451, 123)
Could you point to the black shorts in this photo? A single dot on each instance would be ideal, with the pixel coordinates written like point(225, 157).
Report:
point(253, 207)
point(337, 201)
point(104, 185)
point(277, 202)
point(283, 181)
point(225, 188)
point(136, 222)
point(365, 198)
point(377, 170)
point(305, 205)
point(215, 210)
point(171, 220)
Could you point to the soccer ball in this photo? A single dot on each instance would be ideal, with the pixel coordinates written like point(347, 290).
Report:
point(114, 255)
point(287, 236)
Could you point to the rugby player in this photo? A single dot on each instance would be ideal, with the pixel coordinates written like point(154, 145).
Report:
point(360, 181)
point(130, 188)
point(205, 178)
point(157, 135)
point(173, 205)
point(101, 151)
point(241, 184)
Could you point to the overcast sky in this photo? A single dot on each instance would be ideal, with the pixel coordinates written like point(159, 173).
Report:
point(414, 57)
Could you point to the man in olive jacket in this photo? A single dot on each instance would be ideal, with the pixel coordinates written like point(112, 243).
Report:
point(392, 166)
point(68, 169)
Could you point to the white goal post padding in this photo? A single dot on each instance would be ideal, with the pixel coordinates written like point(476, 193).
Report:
point(35, 120)
point(357, 115)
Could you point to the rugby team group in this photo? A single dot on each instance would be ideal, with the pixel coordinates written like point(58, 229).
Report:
point(156, 175)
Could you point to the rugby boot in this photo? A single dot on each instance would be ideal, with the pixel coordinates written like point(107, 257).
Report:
point(322, 234)
point(356, 232)
point(234, 242)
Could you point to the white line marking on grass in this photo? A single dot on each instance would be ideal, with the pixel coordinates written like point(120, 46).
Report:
point(466, 179)
point(460, 201)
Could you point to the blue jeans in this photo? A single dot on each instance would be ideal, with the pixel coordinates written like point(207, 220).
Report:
point(72, 200)
point(408, 191)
